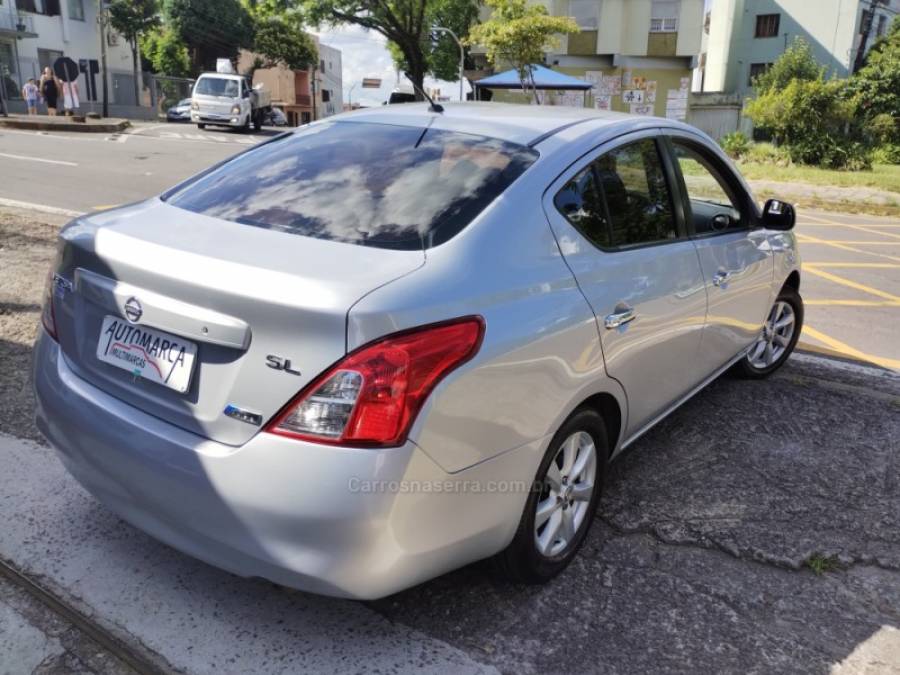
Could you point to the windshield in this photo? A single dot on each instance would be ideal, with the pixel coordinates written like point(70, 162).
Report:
point(217, 86)
point(363, 183)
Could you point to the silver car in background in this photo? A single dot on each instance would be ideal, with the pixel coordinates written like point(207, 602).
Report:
point(398, 341)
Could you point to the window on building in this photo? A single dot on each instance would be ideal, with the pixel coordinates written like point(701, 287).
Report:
point(322, 65)
point(882, 25)
point(664, 16)
point(757, 69)
point(586, 13)
point(76, 10)
point(46, 7)
point(326, 96)
point(767, 25)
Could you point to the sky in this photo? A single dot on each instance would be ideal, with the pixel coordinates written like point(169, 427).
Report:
point(364, 54)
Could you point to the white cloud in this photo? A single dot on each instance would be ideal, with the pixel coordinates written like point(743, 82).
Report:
point(364, 54)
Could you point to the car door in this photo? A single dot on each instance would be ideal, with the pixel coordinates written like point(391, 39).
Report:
point(614, 218)
point(735, 255)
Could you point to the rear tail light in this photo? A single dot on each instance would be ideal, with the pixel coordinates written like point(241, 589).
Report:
point(48, 316)
point(372, 396)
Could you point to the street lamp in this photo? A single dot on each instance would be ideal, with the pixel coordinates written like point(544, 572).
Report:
point(350, 95)
point(462, 56)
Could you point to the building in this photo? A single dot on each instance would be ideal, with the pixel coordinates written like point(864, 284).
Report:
point(744, 37)
point(34, 33)
point(638, 53)
point(303, 95)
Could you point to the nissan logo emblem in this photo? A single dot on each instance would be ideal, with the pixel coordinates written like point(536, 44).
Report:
point(133, 310)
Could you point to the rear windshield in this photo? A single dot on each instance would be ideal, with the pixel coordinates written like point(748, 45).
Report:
point(217, 86)
point(371, 184)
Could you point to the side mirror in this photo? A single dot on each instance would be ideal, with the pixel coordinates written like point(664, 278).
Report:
point(778, 215)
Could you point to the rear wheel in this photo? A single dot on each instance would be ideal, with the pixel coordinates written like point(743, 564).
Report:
point(562, 503)
point(201, 126)
point(778, 337)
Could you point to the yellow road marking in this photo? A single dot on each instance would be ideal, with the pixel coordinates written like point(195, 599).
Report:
point(850, 284)
point(846, 350)
point(809, 239)
point(878, 225)
point(852, 303)
point(854, 226)
point(852, 264)
point(857, 242)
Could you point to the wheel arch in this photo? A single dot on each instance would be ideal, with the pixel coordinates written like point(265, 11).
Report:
point(608, 408)
point(792, 281)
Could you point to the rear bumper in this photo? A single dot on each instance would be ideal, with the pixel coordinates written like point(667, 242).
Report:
point(338, 521)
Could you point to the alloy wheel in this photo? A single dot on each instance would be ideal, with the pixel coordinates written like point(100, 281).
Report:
point(566, 494)
point(775, 337)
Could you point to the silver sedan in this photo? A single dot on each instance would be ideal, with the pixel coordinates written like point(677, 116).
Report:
point(397, 341)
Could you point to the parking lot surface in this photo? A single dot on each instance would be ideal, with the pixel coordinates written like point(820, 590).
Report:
point(757, 529)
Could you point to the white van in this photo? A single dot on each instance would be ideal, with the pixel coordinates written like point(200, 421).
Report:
point(227, 99)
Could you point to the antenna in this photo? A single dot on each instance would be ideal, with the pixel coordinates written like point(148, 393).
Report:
point(434, 107)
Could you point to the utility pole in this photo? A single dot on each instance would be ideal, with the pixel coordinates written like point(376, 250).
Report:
point(462, 57)
point(102, 20)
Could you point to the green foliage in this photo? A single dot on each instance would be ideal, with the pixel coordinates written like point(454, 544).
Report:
point(883, 128)
point(519, 33)
point(165, 53)
point(876, 86)
point(281, 41)
point(796, 63)
point(736, 144)
point(889, 153)
point(766, 153)
point(133, 18)
point(210, 29)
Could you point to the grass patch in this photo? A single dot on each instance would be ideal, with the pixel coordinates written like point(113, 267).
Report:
point(881, 176)
point(821, 564)
point(806, 201)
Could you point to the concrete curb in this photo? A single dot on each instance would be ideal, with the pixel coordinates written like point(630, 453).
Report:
point(105, 127)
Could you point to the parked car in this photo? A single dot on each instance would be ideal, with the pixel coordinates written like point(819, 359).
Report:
point(394, 342)
point(180, 112)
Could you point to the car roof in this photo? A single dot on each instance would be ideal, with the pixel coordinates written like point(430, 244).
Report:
point(516, 123)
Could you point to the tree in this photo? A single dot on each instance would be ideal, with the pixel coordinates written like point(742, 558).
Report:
point(210, 29)
point(403, 22)
point(166, 53)
point(520, 34)
point(876, 86)
point(280, 38)
point(134, 18)
point(440, 49)
point(796, 63)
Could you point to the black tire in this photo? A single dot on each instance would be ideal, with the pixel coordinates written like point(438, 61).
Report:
point(201, 126)
point(521, 561)
point(745, 367)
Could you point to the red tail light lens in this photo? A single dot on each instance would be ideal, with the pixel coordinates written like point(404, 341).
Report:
point(48, 317)
point(372, 396)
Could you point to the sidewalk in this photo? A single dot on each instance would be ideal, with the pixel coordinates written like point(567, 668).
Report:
point(63, 123)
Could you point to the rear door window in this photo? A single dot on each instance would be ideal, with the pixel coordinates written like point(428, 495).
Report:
point(363, 183)
point(622, 198)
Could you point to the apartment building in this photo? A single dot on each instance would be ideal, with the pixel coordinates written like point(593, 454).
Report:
point(638, 53)
point(744, 37)
point(303, 95)
point(34, 33)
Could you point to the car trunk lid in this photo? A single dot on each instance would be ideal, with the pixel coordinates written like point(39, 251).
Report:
point(241, 294)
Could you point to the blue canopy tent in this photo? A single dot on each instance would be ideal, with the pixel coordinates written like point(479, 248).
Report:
point(543, 77)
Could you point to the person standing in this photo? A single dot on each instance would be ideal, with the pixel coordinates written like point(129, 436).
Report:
point(50, 90)
point(30, 93)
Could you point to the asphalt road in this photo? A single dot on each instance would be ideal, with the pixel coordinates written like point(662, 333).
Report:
point(851, 276)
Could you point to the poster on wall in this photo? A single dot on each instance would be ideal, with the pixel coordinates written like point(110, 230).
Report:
point(641, 109)
point(632, 96)
point(570, 99)
point(603, 102)
point(595, 77)
point(626, 79)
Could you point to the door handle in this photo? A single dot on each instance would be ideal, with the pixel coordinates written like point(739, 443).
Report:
point(721, 277)
point(620, 318)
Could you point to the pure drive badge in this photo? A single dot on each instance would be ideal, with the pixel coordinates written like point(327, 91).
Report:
point(243, 415)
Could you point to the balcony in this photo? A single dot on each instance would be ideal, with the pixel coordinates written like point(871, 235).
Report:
point(16, 25)
point(303, 99)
